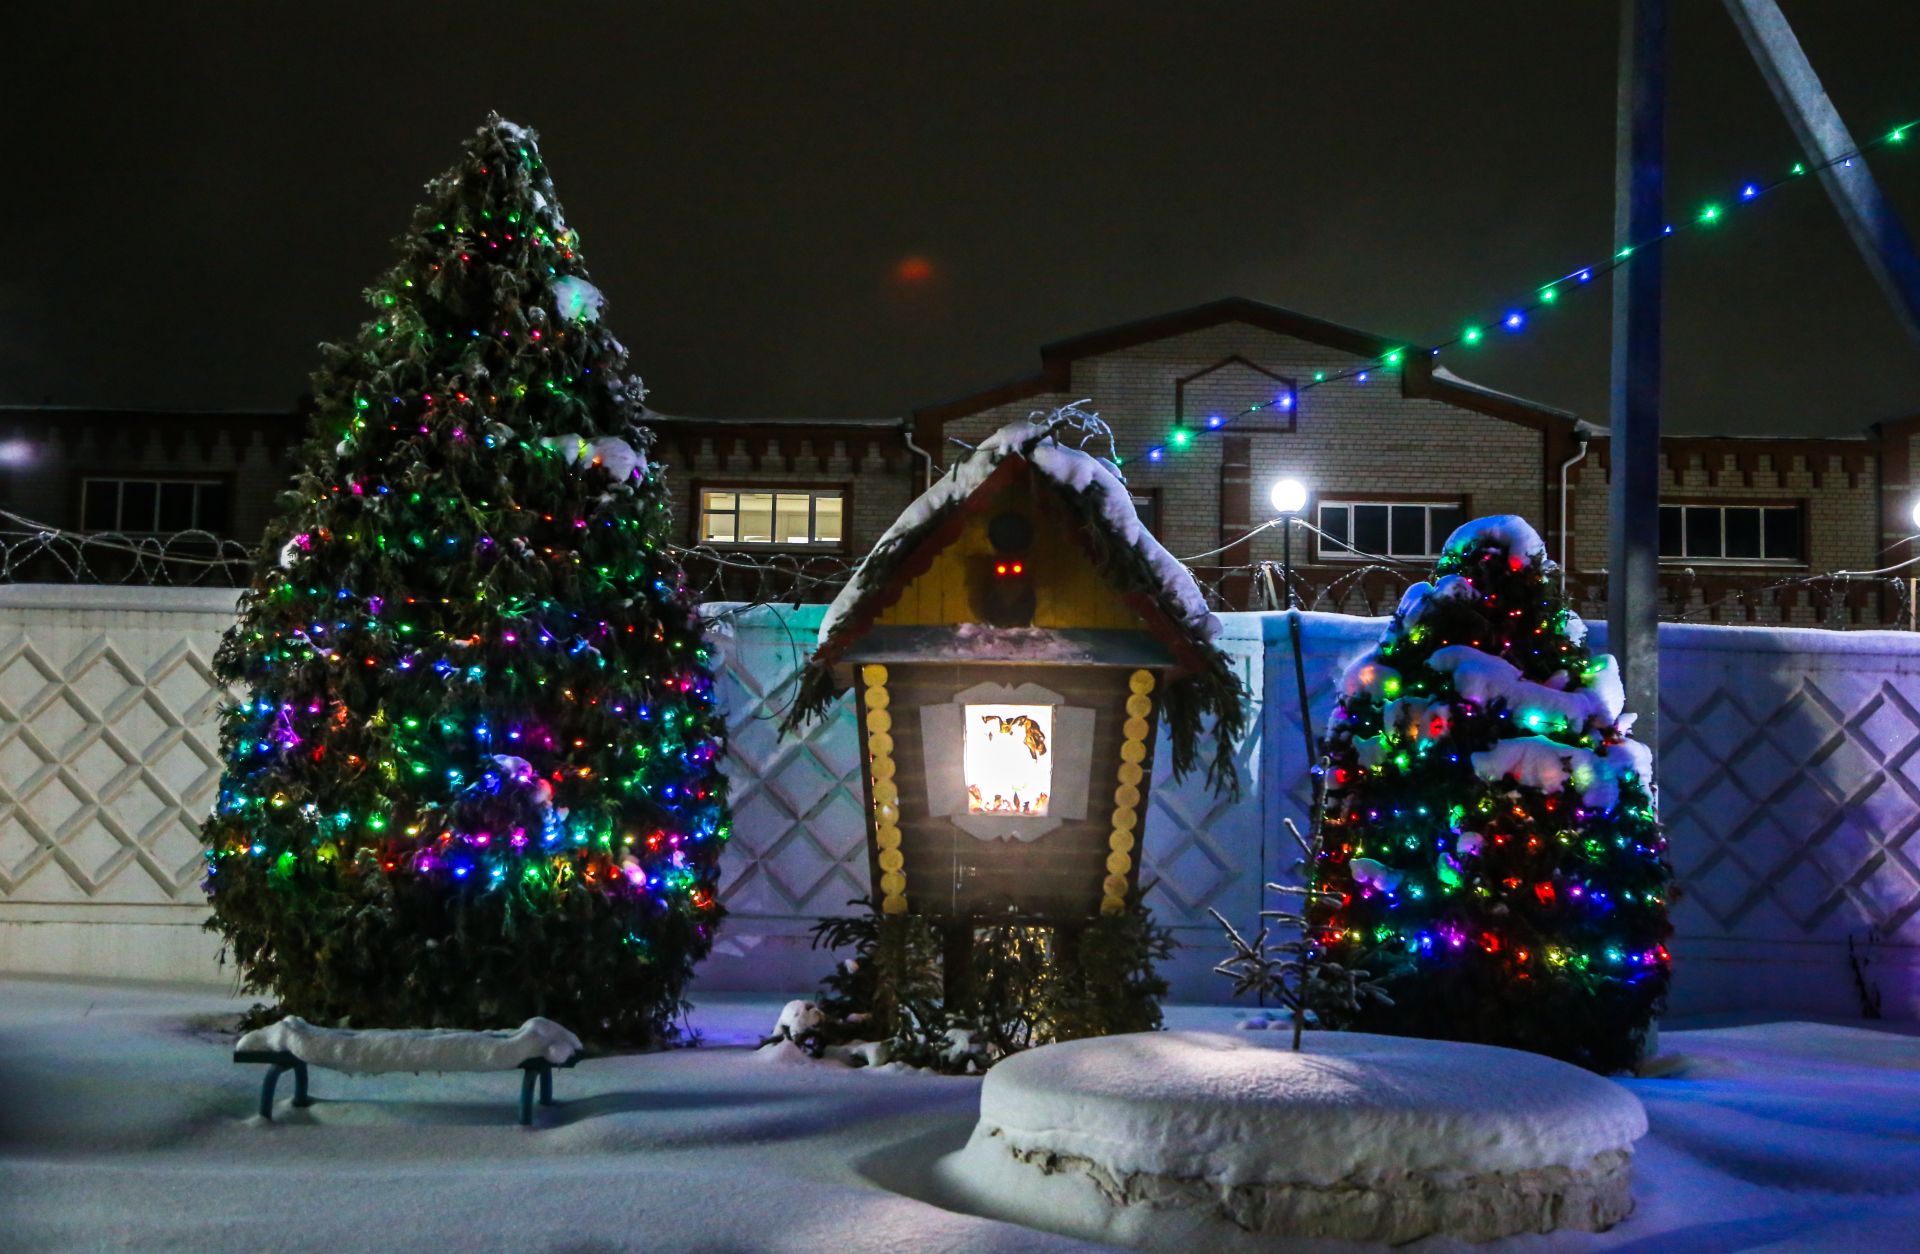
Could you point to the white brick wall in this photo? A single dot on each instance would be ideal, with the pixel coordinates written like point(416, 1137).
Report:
point(1348, 438)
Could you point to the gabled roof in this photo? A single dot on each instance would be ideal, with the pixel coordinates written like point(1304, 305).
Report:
point(1418, 379)
point(1168, 600)
point(1143, 575)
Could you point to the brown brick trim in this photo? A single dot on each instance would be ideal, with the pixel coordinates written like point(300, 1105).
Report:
point(1418, 380)
point(1855, 455)
point(735, 442)
point(1019, 389)
point(1057, 358)
point(177, 430)
point(1288, 418)
point(1212, 314)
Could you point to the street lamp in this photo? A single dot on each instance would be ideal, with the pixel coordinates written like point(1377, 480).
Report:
point(1289, 497)
point(1913, 584)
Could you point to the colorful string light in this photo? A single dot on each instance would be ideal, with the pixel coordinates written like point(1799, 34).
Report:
point(1490, 840)
point(1516, 319)
point(475, 679)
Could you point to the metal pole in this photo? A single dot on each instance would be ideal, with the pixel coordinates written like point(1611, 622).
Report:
point(1876, 230)
point(1286, 556)
point(1633, 539)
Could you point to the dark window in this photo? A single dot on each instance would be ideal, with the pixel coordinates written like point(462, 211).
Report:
point(1356, 531)
point(146, 506)
point(210, 511)
point(1703, 533)
point(100, 506)
point(1730, 533)
point(1743, 533)
point(1781, 532)
point(1370, 528)
point(176, 506)
point(1671, 544)
point(1333, 521)
point(1147, 506)
point(138, 497)
point(1409, 529)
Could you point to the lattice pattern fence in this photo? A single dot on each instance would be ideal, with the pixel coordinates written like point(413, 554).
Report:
point(1790, 786)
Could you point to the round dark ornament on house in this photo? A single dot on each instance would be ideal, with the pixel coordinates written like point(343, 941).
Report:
point(1010, 532)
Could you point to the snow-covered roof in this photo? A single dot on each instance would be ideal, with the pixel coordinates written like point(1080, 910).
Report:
point(1447, 376)
point(1052, 449)
point(1033, 440)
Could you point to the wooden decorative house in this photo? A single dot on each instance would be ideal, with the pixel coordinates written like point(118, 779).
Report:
point(1016, 642)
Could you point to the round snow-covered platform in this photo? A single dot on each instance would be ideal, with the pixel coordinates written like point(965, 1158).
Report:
point(1197, 1140)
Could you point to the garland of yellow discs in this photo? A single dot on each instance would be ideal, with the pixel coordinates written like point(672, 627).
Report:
point(1126, 798)
point(886, 793)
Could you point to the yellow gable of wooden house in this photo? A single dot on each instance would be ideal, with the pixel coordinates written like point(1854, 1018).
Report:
point(1069, 590)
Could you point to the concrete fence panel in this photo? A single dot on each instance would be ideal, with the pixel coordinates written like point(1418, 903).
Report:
point(1790, 786)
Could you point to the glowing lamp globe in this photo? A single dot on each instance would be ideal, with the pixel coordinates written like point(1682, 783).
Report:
point(1289, 496)
point(1916, 514)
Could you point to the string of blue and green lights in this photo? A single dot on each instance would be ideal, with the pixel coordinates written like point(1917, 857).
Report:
point(1517, 317)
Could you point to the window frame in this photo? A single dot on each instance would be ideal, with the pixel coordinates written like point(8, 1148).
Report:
point(813, 489)
point(1153, 501)
point(1324, 552)
point(159, 481)
point(1803, 531)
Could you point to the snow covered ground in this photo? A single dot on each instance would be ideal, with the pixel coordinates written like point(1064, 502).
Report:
point(124, 1125)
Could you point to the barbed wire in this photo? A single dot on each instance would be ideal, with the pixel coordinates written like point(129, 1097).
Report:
point(176, 559)
point(756, 579)
point(33, 553)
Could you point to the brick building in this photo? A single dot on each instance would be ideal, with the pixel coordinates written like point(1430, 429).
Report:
point(782, 507)
point(1390, 464)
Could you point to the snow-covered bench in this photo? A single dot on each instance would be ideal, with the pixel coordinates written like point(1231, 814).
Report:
point(534, 1049)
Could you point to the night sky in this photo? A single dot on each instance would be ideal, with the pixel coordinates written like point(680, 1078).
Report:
point(852, 209)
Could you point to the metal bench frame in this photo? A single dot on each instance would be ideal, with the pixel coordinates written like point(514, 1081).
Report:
point(279, 1061)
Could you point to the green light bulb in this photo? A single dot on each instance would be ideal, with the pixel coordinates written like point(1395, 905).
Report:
point(1471, 335)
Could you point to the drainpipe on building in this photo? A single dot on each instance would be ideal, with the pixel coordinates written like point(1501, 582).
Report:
point(926, 458)
point(1566, 520)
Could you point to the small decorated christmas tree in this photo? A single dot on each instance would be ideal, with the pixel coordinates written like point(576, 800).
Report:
point(1491, 830)
point(473, 775)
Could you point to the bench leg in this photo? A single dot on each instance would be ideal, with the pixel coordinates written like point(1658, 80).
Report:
point(526, 1096)
point(300, 1097)
point(546, 1086)
point(266, 1089)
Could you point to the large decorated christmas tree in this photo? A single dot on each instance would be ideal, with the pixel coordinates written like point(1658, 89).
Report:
point(473, 775)
point(1491, 831)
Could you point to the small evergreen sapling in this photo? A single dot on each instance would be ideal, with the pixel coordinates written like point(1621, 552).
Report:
point(1299, 974)
point(1029, 986)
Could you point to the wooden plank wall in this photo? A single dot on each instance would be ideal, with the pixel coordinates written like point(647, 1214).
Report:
point(1069, 590)
point(952, 873)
